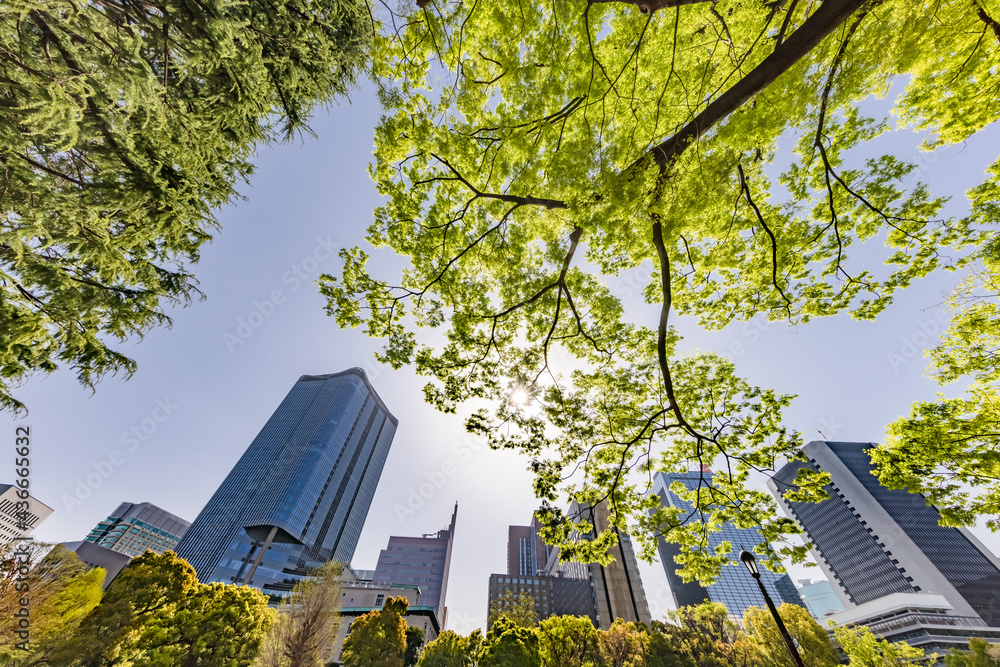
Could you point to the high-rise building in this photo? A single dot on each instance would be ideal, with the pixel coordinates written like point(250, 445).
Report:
point(299, 495)
point(872, 542)
point(819, 597)
point(554, 595)
point(618, 591)
point(734, 588)
point(420, 561)
point(923, 620)
point(16, 520)
point(135, 527)
point(527, 552)
point(603, 593)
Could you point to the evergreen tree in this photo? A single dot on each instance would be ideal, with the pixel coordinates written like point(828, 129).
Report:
point(123, 126)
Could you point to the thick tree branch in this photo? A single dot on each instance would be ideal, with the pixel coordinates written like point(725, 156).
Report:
point(830, 15)
point(988, 20)
point(512, 199)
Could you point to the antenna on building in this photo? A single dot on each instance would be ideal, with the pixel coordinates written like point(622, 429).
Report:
point(821, 435)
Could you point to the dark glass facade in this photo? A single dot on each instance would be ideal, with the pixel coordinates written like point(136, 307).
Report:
point(300, 494)
point(734, 588)
point(844, 544)
point(553, 595)
point(846, 535)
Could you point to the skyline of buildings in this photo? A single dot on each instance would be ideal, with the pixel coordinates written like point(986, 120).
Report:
point(323, 449)
point(734, 587)
point(601, 592)
point(300, 494)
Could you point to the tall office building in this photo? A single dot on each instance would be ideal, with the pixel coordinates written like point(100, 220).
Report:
point(15, 521)
point(617, 587)
point(135, 527)
point(420, 561)
point(603, 593)
point(871, 541)
point(527, 552)
point(300, 494)
point(734, 587)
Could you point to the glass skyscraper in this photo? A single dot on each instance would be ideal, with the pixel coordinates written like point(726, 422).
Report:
point(135, 527)
point(734, 588)
point(300, 494)
point(872, 541)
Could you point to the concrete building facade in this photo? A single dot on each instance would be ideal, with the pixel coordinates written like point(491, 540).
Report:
point(18, 520)
point(420, 561)
point(922, 620)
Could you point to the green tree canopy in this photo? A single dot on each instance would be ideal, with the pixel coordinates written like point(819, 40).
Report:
point(378, 639)
point(980, 654)
point(123, 126)
point(449, 649)
point(149, 584)
point(508, 644)
point(530, 154)
point(519, 609)
point(414, 642)
point(567, 641)
point(60, 591)
point(705, 636)
point(769, 648)
point(949, 449)
point(864, 648)
point(213, 625)
point(623, 645)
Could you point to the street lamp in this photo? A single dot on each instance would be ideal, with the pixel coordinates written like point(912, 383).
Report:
point(751, 563)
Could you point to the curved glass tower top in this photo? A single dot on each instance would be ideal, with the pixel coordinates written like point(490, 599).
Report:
point(300, 494)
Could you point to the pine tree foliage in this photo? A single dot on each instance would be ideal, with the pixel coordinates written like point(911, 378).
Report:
point(532, 153)
point(123, 126)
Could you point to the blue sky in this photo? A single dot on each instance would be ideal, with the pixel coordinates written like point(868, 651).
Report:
point(205, 387)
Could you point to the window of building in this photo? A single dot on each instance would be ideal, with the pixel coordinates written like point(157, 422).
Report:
point(378, 599)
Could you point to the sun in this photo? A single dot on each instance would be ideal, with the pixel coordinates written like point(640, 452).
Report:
point(519, 397)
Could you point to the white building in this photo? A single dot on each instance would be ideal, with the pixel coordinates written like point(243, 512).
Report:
point(359, 595)
point(923, 620)
point(17, 522)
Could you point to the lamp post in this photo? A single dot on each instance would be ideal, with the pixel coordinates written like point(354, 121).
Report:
point(751, 563)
